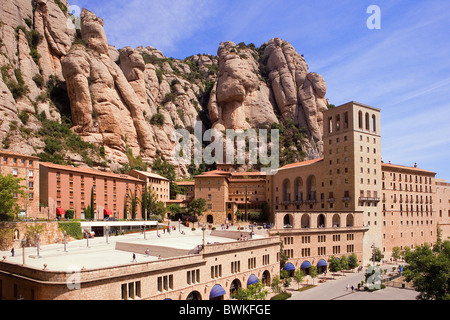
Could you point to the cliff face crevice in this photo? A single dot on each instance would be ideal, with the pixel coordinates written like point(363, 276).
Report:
point(127, 102)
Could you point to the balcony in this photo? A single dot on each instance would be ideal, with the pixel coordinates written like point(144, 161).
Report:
point(370, 199)
point(346, 199)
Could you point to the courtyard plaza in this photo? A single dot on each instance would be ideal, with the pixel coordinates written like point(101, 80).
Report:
point(335, 288)
point(101, 252)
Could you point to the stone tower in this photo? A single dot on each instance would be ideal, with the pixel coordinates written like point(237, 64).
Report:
point(352, 162)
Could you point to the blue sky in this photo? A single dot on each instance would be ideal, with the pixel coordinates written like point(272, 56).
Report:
point(403, 68)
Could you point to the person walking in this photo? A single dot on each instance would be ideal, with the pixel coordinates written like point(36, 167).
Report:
point(12, 252)
point(134, 258)
point(346, 288)
point(353, 288)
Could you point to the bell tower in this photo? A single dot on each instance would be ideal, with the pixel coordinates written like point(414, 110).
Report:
point(352, 156)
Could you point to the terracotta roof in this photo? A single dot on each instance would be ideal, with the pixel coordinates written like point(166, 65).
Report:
point(8, 153)
point(302, 163)
point(248, 180)
point(185, 183)
point(250, 173)
point(396, 166)
point(150, 174)
point(89, 171)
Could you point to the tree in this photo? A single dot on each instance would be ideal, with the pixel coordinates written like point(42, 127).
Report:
point(353, 261)
point(9, 188)
point(175, 210)
point(377, 255)
point(133, 202)
point(298, 277)
point(313, 272)
point(90, 209)
point(32, 232)
point(196, 207)
point(429, 271)
point(125, 208)
point(283, 257)
point(254, 291)
point(396, 253)
point(275, 285)
point(334, 264)
point(344, 263)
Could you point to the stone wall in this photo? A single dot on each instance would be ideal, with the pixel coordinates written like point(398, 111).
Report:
point(50, 234)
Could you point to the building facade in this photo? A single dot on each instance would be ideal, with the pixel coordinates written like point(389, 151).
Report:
point(213, 274)
point(155, 183)
point(69, 188)
point(26, 168)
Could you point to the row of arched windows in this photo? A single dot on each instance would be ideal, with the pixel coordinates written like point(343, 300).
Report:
point(367, 122)
point(305, 220)
point(297, 191)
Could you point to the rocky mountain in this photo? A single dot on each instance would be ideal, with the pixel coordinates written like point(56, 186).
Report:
point(68, 96)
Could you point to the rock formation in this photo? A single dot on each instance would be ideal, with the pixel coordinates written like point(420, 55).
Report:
point(128, 102)
point(300, 95)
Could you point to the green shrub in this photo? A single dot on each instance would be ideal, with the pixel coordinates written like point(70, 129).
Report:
point(39, 80)
point(281, 296)
point(23, 116)
point(73, 229)
point(69, 214)
point(157, 119)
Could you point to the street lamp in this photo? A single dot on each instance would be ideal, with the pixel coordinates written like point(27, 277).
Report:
point(65, 242)
point(179, 225)
point(37, 247)
point(107, 233)
point(24, 243)
point(373, 253)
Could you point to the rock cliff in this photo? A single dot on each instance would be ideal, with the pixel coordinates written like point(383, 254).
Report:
point(122, 105)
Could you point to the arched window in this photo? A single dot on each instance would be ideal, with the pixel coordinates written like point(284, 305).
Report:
point(338, 122)
point(305, 221)
point(336, 221)
point(367, 121)
point(286, 190)
point(360, 119)
point(298, 189)
point(311, 187)
point(330, 125)
point(374, 123)
point(287, 221)
point(349, 220)
point(321, 221)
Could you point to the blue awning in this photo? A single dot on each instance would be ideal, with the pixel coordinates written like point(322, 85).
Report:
point(252, 280)
point(305, 265)
point(289, 267)
point(217, 291)
point(322, 263)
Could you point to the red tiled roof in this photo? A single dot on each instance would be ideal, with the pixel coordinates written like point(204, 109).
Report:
point(89, 171)
point(302, 163)
point(185, 183)
point(14, 154)
point(396, 166)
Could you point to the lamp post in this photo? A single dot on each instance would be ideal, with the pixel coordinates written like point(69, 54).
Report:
point(179, 225)
point(107, 234)
point(23, 242)
point(373, 253)
point(37, 247)
point(65, 242)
